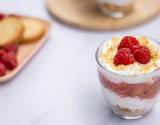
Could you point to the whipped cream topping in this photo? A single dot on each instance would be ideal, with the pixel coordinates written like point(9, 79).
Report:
point(109, 49)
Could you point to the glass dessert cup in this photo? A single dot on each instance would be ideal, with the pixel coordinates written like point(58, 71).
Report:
point(115, 8)
point(129, 96)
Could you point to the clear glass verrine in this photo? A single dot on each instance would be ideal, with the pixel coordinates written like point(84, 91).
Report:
point(129, 97)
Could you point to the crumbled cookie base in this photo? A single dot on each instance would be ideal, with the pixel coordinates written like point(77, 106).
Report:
point(128, 112)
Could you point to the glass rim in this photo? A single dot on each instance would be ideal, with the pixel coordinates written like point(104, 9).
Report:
point(114, 73)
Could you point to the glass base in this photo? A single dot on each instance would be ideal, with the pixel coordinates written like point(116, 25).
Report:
point(128, 117)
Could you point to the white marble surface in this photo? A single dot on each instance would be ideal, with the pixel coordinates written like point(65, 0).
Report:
point(60, 85)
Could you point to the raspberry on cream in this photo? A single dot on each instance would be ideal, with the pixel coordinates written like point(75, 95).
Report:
point(124, 57)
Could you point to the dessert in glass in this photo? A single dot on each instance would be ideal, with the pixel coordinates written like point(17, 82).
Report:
point(115, 8)
point(129, 72)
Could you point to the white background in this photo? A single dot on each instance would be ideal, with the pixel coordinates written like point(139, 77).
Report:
point(60, 85)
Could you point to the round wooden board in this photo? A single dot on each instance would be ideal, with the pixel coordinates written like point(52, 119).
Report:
point(84, 14)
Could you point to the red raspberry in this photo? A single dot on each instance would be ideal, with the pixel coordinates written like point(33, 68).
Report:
point(135, 48)
point(129, 42)
point(9, 60)
point(142, 55)
point(2, 16)
point(11, 48)
point(124, 57)
point(2, 52)
point(3, 69)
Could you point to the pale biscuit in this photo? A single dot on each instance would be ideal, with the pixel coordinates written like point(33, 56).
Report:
point(11, 30)
point(34, 29)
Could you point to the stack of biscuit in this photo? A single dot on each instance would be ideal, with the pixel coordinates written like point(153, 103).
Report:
point(15, 30)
